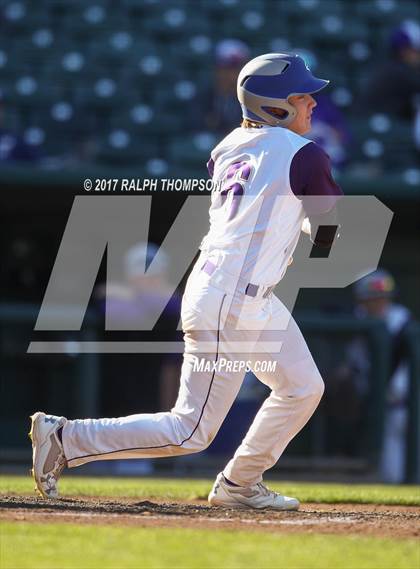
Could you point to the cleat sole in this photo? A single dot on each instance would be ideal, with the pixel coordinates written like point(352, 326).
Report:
point(32, 436)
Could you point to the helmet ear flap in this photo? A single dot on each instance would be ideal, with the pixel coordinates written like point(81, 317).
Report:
point(291, 110)
point(283, 115)
point(254, 110)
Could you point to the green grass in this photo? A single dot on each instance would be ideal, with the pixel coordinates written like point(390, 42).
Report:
point(185, 489)
point(26, 545)
point(49, 546)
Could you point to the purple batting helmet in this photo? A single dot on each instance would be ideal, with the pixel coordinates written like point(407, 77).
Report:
point(267, 81)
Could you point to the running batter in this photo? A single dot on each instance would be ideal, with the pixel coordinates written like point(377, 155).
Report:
point(268, 175)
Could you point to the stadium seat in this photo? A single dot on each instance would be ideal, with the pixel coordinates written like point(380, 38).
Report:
point(303, 10)
point(120, 147)
point(332, 30)
point(384, 140)
point(15, 17)
point(172, 22)
point(386, 12)
point(192, 151)
point(143, 66)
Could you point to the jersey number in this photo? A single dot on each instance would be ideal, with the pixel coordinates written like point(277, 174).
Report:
point(233, 188)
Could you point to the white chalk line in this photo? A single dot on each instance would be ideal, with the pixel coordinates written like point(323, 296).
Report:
point(147, 516)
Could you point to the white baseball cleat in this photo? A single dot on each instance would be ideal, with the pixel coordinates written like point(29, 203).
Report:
point(255, 496)
point(47, 453)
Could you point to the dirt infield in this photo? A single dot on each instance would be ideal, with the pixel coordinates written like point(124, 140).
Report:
point(365, 519)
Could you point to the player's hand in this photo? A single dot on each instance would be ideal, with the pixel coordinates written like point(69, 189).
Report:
point(306, 226)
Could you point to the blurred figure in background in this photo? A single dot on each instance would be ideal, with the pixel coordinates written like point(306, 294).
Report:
point(221, 110)
point(374, 296)
point(330, 130)
point(397, 80)
point(329, 126)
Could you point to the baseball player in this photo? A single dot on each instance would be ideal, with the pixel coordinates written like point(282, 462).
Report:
point(268, 175)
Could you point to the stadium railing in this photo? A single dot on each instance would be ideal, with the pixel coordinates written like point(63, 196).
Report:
point(83, 384)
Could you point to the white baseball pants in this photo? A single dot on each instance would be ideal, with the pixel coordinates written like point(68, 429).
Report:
point(222, 326)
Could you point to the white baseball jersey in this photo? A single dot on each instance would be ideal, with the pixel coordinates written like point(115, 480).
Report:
point(255, 218)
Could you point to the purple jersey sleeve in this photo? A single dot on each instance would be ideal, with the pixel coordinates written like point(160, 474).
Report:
point(310, 175)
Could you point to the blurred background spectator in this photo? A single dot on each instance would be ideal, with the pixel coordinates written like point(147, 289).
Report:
point(395, 84)
point(220, 105)
point(391, 94)
point(349, 392)
point(331, 131)
point(330, 127)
